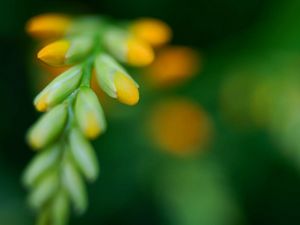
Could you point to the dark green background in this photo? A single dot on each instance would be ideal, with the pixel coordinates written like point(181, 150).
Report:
point(265, 184)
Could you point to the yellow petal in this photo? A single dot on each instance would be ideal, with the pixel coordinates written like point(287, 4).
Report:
point(127, 91)
point(153, 31)
point(48, 25)
point(139, 53)
point(54, 53)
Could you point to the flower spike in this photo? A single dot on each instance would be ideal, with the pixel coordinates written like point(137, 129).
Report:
point(73, 113)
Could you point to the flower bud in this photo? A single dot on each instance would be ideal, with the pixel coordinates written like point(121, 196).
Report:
point(54, 54)
point(48, 127)
point(115, 81)
point(128, 49)
point(84, 155)
point(58, 89)
point(79, 49)
point(41, 164)
point(66, 51)
point(152, 31)
point(60, 208)
point(89, 113)
point(74, 185)
point(127, 91)
point(48, 25)
point(139, 53)
point(44, 190)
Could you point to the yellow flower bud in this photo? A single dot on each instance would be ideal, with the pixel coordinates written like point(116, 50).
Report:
point(58, 89)
point(152, 31)
point(54, 53)
point(89, 113)
point(139, 53)
point(127, 48)
point(127, 91)
point(48, 127)
point(114, 80)
point(48, 25)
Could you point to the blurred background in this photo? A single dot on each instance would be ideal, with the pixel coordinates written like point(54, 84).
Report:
point(221, 147)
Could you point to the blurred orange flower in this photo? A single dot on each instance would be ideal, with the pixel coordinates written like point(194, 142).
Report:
point(180, 126)
point(173, 65)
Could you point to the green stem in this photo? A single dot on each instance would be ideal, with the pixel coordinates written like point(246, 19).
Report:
point(87, 72)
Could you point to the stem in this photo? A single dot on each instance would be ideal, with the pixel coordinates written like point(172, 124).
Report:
point(87, 72)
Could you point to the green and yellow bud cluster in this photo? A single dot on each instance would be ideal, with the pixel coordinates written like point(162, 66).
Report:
point(73, 113)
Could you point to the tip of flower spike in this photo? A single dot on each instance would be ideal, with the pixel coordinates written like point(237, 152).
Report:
point(139, 53)
point(153, 31)
point(127, 91)
point(54, 53)
point(48, 25)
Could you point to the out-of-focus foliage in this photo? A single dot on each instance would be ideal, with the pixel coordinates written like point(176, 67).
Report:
point(248, 85)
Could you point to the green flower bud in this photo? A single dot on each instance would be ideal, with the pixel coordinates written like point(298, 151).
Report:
point(79, 48)
point(43, 217)
point(128, 48)
point(106, 71)
point(44, 190)
point(74, 186)
point(41, 164)
point(89, 113)
point(115, 41)
point(58, 89)
point(88, 25)
point(48, 128)
point(60, 208)
point(84, 155)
